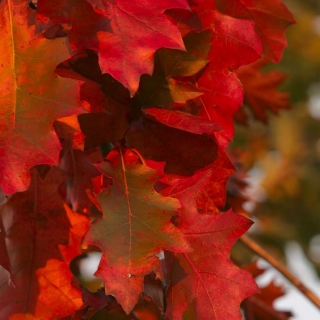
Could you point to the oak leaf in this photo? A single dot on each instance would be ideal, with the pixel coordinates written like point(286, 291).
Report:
point(69, 132)
point(143, 28)
point(235, 42)
point(271, 19)
point(159, 142)
point(79, 172)
point(223, 96)
point(260, 91)
point(169, 82)
point(182, 121)
point(214, 286)
point(210, 181)
point(43, 235)
point(135, 226)
point(261, 305)
point(32, 96)
point(114, 27)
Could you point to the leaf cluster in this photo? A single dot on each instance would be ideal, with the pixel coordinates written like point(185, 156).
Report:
point(115, 117)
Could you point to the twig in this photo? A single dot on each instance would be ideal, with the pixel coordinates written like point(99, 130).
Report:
point(257, 249)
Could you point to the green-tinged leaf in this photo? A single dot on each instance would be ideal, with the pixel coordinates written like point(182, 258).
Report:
point(31, 96)
point(135, 226)
point(161, 88)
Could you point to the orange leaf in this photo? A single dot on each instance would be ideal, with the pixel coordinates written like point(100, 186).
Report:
point(43, 235)
point(32, 97)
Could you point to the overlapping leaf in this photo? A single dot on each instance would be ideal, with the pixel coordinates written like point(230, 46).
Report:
point(143, 28)
point(159, 142)
point(137, 219)
point(261, 305)
point(42, 236)
point(260, 91)
point(213, 287)
point(182, 121)
point(117, 26)
point(210, 194)
point(271, 19)
point(69, 132)
point(105, 99)
point(235, 43)
point(223, 96)
point(163, 87)
point(80, 171)
point(32, 97)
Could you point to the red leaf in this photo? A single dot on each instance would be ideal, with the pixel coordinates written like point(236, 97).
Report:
point(261, 304)
point(117, 26)
point(138, 220)
point(39, 258)
point(223, 96)
point(260, 92)
point(182, 121)
point(69, 133)
point(80, 172)
point(4, 255)
point(214, 286)
point(271, 19)
point(163, 87)
point(158, 142)
point(32, 96)
point(141, 27)
point(235, 42)
point(210, 182)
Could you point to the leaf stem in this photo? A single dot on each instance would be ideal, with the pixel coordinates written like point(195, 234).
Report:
point(257, 249)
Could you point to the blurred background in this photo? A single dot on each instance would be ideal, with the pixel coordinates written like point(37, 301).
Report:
point(282, 163)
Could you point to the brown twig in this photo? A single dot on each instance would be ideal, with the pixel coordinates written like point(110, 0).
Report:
point(257, 249)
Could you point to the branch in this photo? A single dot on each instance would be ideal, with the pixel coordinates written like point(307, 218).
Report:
point(257, 249)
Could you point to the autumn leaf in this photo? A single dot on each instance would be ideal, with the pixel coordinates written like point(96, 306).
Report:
point(69, 132)
point(141, 27)
point(210, 276)
point(223, 96)
point(235, 42)
point(261, 305)
point(32, 97)
point(4, 254)
point(137, 219)
point(105, 99)
point(179, 149)
point(210, 194)
point(117, 26)
point(271, 19)
point(182, 121)
point(260, 91)
point(43, 235)
point(166, 84)
point(214, 286)
point(80, 171)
